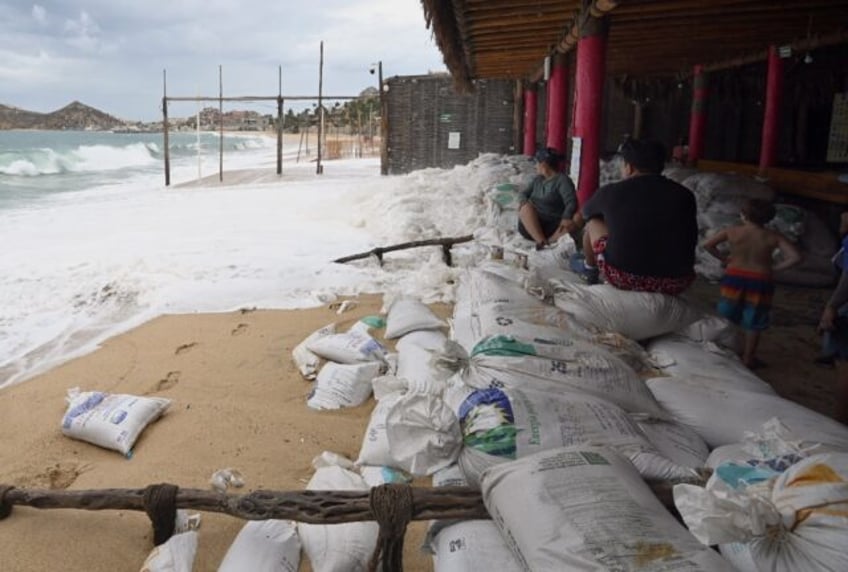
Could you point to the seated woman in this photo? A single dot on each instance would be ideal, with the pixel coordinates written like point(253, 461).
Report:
point(549, 206)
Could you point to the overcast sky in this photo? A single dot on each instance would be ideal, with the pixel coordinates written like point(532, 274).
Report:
point(110, 53)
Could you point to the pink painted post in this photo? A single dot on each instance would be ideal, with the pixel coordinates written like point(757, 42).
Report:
point(557, 106)
point(531, 102)
point(771, 118)
point(698, 116)
point(591, 67)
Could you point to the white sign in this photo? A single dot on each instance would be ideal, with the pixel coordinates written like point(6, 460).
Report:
point(574, 169)
point(453, 140)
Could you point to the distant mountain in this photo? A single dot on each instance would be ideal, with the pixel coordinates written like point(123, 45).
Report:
point(75, 116)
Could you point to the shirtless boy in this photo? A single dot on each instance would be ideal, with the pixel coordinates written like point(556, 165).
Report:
point(747, 286)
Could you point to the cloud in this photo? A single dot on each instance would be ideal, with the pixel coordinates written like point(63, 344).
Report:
point(84, 34)
point(39, 14)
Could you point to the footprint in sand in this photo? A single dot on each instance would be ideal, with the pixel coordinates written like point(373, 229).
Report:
point(168, 381)
point(239, 330)
point(184, 348)
point(59, 476)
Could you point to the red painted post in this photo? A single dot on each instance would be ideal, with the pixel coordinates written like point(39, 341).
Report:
point(771, 118)
point(591, 66)
point(558, 105)
point(531, 102)
point(698, 116)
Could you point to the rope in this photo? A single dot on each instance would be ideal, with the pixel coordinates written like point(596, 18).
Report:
point(5, 507)
point(160, 504)
point(391, 505)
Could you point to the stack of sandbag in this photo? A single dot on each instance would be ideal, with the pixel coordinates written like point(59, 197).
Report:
point(466, 545)
point(586, 509)
point(817, 242)
point(502, 207)
point(714, 394)
point(679, 174)
point(353, 359)
point(772, 503)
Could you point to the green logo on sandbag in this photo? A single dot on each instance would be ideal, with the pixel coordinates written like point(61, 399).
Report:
point(488, 423)
point(375, 322)
point(503, 346)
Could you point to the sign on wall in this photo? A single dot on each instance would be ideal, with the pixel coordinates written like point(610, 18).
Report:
point(453, 140)
point(837, 146)
point(576, 148)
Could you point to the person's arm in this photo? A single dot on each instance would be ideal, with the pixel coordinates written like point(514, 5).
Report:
point(790, 252)
point(711, 245)
point(838, 299)
point(594, 207)
point(569, 200)
point(524, 194)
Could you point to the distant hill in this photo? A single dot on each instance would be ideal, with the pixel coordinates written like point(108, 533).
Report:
point(74, 116)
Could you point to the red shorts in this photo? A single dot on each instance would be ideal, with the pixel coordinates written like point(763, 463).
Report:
point(624, 280)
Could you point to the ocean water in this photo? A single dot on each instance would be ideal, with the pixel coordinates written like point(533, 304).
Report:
point(95, 244)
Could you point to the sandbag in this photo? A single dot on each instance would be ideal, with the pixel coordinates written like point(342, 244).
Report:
point(500, 425)
point(264, 546)
point(723, 415)
point(351, 347)
point(587, 509)
point(713, 365)
point(338, 547)
point(175, 555)
point(110, 420)
point(427, 339)
point(415, 365)
point(466, 545)
point(423, 434)
point(408, 315)
point(637, 315)
point(501, 361)
point(677, 442)
point(795, 519)
point(343, 385)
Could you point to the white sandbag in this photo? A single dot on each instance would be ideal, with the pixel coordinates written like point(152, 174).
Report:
point(110, 420)
point(307, 362)
point(541, 323)
point(722, 415)
point(772, 445)
point(341, 385)
point(338, 547)
point(427, 339)
point(501, 361)
point(795, 521)
point(388, 384)
point(587, 509)
point(175, 555)
point(677, 442)
point(500, 425)
point(715, 366)
point(375, 443)
point(354, 346)
point(727, 190)
point(423, 434)
point(637, 315)
point(408, 315)
point(466, 546)
point(264, 546)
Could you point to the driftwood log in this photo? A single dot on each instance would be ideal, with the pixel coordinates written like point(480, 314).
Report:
point(445, 243)
point(393, 506)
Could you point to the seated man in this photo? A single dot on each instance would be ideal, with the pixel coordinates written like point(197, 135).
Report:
point(640, 232)
point(549, 204)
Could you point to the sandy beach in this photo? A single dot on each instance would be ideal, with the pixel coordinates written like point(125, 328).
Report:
point(238, 401)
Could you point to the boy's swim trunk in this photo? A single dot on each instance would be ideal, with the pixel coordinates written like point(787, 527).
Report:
point(746, 298)
point(624, 280)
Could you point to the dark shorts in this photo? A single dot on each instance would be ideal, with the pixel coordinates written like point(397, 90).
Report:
point(624, 280)
point(835, 342)
point(549, 226)
point(746, 298)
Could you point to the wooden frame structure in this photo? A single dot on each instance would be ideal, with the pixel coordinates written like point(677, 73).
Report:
point(280, 100)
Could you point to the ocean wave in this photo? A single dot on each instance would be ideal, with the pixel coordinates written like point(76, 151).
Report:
point(81, 159)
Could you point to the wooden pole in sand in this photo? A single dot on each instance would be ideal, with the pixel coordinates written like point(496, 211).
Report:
point(319, 169)
point(165, 127)
point(221, 118)
point(280, 121)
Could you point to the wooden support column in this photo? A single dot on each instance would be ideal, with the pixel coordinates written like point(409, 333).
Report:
point(166, 144)
point(698, 116)
point(591, 68)
point(517, 117)
point(771, 119)
point(531, 102)
point(557, 118)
